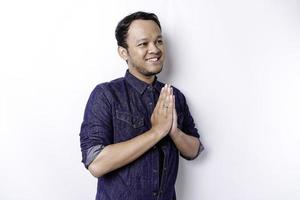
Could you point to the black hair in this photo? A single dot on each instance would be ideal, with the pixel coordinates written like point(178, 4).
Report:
point(123, 26)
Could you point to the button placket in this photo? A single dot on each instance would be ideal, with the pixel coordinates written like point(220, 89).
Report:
point(155, 171)
point(155, 194)
point(164, 169)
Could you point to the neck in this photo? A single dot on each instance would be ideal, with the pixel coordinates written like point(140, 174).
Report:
point(146, 79)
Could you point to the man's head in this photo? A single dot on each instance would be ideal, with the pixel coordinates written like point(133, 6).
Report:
point(140, 44)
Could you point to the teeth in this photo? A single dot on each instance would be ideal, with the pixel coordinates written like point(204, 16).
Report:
point(153, 59)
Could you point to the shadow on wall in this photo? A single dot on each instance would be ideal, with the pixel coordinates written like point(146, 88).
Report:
point(167, 72)
point(166, 75)
point(183, 182)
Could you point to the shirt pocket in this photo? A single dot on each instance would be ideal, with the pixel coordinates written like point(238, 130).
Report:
point(128, 125)
point(136, 121)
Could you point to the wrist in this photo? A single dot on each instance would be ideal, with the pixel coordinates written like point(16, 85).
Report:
point(159, 133)
point(175, 132)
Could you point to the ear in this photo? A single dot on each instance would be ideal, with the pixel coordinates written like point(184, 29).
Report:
point(123, 53)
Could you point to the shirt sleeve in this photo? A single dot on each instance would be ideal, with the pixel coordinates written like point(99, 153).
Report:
point(188, 126)
point(96, 129)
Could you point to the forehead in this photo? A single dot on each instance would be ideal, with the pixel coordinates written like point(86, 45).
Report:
point(139, 29)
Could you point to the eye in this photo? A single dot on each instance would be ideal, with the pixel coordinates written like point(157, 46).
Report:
point(142, 44)
point(160, 41)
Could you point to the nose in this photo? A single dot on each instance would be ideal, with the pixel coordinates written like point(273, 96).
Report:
point(153, 48)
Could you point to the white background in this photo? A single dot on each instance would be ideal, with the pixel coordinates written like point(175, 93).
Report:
point(237, 62)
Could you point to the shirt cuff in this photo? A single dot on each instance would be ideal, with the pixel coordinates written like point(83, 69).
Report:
point(92, 153)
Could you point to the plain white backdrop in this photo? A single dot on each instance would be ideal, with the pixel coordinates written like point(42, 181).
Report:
point(237, 62)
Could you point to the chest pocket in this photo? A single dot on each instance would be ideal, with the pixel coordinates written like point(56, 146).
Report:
point(128, 125)
point(133, 120)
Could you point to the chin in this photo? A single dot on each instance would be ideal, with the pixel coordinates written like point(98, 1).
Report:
point(152, 72)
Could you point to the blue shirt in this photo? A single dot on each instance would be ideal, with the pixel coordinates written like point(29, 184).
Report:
point(121, 110)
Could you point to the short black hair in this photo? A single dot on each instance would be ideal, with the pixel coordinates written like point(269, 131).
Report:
point(123, 26)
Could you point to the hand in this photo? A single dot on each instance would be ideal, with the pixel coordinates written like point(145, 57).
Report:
point(162, 116)
point(174, 128)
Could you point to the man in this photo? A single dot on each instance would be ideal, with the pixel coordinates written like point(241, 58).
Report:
point(135, 127)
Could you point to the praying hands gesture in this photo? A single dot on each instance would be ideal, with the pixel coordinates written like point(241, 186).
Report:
point(164, 121)
point(164, 116)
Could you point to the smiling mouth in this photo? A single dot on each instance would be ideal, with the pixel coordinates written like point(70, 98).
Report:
point(153, 59)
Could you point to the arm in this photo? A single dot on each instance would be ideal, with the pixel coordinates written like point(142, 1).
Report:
point(189, 146)
point(114, 156)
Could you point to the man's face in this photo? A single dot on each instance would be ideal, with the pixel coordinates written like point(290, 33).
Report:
point(145, 52)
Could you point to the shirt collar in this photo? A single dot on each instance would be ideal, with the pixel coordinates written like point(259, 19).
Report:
point(139, 85)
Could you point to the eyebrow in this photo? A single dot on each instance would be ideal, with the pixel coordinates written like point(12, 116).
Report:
point(143, 39)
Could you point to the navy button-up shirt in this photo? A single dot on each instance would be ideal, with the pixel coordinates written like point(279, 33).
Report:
point(121, 110)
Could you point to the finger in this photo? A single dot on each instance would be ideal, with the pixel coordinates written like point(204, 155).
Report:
point(171, 102)
point(160, 99)
point(167, 93)
point(173, 97)
point(169, 111)
point(174, 106)
point(166, 106)
point(168, 89)
point(162, 102)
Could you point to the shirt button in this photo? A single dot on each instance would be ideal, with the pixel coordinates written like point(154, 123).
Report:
point(154, 193)
point(165, 168)
point(150, 103)
point(154, 147)
point(154, 170)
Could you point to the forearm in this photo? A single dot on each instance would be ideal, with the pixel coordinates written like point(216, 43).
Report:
point(117, 155)
point(186, 144)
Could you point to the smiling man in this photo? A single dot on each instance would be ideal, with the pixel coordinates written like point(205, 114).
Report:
point(135, 127)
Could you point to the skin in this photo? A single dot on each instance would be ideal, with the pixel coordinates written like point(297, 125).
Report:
point(144, 42)
point(145, 57)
